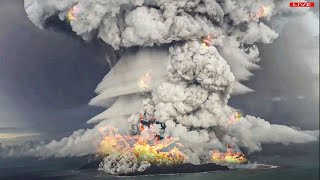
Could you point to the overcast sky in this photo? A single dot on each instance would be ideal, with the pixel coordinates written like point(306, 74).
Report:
point(47, 78)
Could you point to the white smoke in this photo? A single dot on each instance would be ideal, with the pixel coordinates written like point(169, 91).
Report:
point(191, 96)
point(122, 164)
point(80, 143)
point(132, 102)
point(252, 132)
point(124, 78)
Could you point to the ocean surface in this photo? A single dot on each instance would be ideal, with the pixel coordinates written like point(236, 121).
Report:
point(295, 163)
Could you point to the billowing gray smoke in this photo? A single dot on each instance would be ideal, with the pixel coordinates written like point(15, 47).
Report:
point(186, 88)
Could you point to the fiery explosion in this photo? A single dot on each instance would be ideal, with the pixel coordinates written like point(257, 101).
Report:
point(149, 147)
point(145, 147)
point(230, 156)
point(145, 80)
point(155, 154)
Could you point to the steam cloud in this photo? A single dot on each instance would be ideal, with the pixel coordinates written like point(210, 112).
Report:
point(187, 86)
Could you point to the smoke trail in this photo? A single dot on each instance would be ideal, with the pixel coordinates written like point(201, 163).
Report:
point(212, 48)
point(126, 77)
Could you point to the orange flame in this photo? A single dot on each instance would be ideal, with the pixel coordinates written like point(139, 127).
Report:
point(71, 16)
point(207, 40)
point(235, 118)
point(146, 147)
point(145, 80)
point(262, 12)
point(228, 157)
point(155, 153)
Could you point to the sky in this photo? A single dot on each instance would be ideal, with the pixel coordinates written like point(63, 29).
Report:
point(48, 77)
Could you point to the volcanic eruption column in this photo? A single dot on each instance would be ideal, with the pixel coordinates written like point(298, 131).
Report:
point(171, 106)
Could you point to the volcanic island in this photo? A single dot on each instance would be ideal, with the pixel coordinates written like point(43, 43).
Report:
point(162, 169)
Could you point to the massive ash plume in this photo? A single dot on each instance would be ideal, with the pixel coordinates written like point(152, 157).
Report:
point(198, 53)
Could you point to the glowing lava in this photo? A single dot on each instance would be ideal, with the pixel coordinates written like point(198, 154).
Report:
point(228, 157)
point(262, 12)
point(71, 16)
point(144, 147)
point(145, 80)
